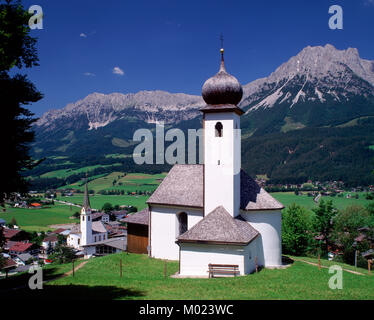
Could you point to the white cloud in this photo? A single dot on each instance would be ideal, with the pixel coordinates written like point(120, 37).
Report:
point(369, 2)
point(83, 35)
point(118, 70)
point(89, 74)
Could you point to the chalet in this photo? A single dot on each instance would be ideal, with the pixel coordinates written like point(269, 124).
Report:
point(15, 235)
point(119, 214)
point(50, 241)
point(100, 216)
point(23, 258)
point(24, 247)
point(137, 231)
point(9, 265)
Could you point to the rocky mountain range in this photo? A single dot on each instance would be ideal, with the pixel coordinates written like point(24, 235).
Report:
point(320, 87)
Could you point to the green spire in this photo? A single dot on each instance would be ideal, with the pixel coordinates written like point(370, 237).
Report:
point(86, 200)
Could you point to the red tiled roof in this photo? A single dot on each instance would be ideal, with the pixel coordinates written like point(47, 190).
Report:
point(10, 233)
point(50, 238)
point(59, 230)
point(9, 263)
point(21, 246)
point(35, 204)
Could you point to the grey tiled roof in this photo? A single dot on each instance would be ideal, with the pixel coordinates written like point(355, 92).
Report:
point(140, 217)
point(253, 197)
point(183, 186)
point(220, 227)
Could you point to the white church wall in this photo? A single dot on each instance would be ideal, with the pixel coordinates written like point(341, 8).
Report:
point(250, 254)
point(73, 240)
point(222, 162)
point(195, 258)
point(164, 230)
point(269, 243)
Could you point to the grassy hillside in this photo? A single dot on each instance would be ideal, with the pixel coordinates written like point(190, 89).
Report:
point(287, 198)
point(143, 278)
point(40, 219)
point(120, 181)
point(98, 200)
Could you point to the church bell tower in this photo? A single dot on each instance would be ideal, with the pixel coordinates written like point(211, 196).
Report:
point(222, 144)
point(86, 219)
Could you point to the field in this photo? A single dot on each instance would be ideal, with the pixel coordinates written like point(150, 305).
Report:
point(287, 198)
point(97, 201)
point(119, 181)
point(40, 219)
point(143, 278)
point(64, 173)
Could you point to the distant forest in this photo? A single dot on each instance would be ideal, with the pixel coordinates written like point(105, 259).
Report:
point(318, 154)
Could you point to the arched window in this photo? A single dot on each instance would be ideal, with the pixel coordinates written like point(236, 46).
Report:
point(182, 222)
point(219, 129)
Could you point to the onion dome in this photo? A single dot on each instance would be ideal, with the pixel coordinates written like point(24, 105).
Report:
point(223, 88)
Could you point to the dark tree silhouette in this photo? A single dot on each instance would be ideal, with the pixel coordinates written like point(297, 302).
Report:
point(17, 50)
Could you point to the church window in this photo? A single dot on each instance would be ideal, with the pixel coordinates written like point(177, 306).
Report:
point(88, 218)
point(182, 222)
point(82, 218)
point(219, 129)
point(79, 241)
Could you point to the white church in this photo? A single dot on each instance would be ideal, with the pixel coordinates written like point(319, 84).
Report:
point(87, 235)
point(215, 213)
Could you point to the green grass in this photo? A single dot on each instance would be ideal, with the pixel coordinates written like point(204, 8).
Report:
point(64, 173)
point(287, 198)
point(97, 201)
point(143, 278)
point(40, 219)
point(291, 125)
point(119, 181)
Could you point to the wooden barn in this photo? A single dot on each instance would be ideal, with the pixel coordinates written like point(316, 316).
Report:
point(137, 232)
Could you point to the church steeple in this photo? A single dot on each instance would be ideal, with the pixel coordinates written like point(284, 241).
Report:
point(86, 221)
point(222, 149)
point(86, 200)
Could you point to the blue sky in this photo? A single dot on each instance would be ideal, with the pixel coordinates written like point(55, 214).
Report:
point(174, 45)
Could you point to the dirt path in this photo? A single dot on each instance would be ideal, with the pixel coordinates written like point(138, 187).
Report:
point(71, 271)
point(325, 267)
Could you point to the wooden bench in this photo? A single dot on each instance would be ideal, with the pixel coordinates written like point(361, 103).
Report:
point(223, 269)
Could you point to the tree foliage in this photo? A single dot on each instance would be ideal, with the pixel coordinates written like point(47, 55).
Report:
point(17, 50)
point(107, 207)
point(323, 222)
point(296, 235)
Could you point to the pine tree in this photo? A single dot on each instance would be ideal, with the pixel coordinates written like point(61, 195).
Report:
point(17, 50)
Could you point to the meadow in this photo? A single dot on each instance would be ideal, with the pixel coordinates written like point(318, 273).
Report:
point(288, 198)
point(119, 181)
point(64, 173)
point(97, 201)
point(39, 219)
point(143, 278)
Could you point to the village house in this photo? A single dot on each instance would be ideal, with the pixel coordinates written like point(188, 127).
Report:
point(24, 247)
